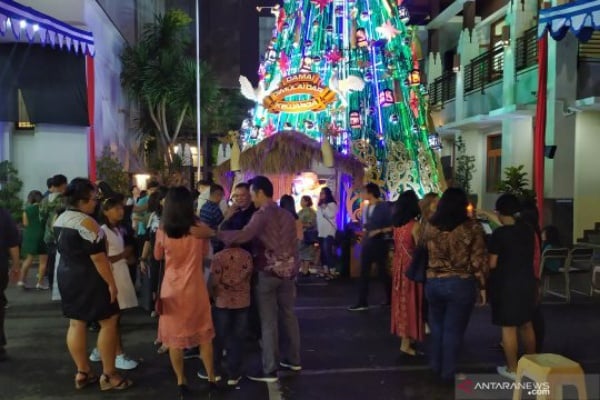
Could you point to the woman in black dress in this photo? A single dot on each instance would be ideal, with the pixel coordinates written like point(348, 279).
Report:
point(87, 286)
point(512, 287)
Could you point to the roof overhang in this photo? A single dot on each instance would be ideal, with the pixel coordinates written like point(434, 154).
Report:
point(581, 17)
point(19, 23)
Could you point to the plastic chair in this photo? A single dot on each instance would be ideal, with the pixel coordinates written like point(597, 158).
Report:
point(554, 369)
point(550, 256)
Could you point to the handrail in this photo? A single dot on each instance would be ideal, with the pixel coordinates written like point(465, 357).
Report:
point(443, 88)
point(527, 50)
point(483, 69)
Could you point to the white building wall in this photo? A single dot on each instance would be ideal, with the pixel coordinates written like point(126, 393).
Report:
point(112, 114)
point(586, 207)
point(560, 126)
point(50, 150)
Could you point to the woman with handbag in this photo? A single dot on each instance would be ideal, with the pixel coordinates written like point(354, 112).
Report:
point(308, 218)
point(456, 270)
point(327, 227)
point(407, 295)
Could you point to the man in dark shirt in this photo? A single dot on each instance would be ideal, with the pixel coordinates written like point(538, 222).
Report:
point(9, 246)
point(211, 214)
point(238, 215)
point(374, 246)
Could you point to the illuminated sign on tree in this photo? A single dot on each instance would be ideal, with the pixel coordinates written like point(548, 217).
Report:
point(314, 96)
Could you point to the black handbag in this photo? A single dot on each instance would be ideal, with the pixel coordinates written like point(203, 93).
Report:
point(417, 270)
point(310, 236)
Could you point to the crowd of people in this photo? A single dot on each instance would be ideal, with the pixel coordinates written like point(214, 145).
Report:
point(215, 274)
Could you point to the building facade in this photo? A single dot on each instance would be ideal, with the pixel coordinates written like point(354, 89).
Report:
point(483, 75)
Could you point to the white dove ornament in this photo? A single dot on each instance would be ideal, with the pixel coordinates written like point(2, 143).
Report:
point(342, 87)
point(259, 93)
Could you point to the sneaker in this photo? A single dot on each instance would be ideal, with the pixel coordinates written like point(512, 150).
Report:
point(21, 284)
point(39, 286)
point(291, 367)
point(153, 314)
point(234, 381)
point(504, 372)
point(124, 362)
point(191, 353)
point(262, 377)
point(359, 307)
point(95, 356)
point(204, 376)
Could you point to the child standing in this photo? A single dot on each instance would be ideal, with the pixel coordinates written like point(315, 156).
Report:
point(231, 270)
point(112, 213)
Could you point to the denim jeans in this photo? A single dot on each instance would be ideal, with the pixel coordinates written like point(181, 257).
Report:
point(276, 298)
point(375, 250)
point(327, 251)
point(230, 326)
point(451, 302)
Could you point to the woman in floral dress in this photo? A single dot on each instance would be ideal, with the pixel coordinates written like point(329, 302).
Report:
point(407, 295)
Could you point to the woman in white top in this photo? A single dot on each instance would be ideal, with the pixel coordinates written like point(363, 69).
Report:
point(327, 227)
point(112, 213)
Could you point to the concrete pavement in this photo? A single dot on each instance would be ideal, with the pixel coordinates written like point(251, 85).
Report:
point(346, 355)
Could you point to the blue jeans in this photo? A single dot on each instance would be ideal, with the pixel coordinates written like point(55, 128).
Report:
point(276, 298)
point(230, 326)
point(451, 301)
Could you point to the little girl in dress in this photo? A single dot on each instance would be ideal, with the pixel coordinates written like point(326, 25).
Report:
point(112, 212)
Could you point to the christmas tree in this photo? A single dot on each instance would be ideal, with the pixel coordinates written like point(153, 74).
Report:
point(347, 72)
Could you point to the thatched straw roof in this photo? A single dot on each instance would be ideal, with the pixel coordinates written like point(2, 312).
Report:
point(289, 152)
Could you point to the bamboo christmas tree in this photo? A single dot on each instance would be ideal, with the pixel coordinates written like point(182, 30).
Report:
point(348, 72)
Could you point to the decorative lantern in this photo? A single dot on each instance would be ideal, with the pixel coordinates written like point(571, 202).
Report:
point(329, 29)
point(365, 16)
point(306, 64)
point(287, 126)
point(271, 55)
point(308, 124)
point(394, 119)
point(414, 78)
point(403, 14)
point(361, 38)
point(386, 98)
point(254, 132)
point(368, 76)
point(355, 122)
point(434, 141)
point(308, 44)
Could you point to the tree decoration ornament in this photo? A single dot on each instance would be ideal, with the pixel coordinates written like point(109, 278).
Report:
point(355, 120)
point(403, 14)
point(387, 30)
point(284, 61)
point(333, 56)
point(321, 4)
point(362, 40)
point(386, 98)
point(349, 73)
point(270, 129)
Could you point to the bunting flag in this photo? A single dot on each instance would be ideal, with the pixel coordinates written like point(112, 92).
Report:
point(25, 22)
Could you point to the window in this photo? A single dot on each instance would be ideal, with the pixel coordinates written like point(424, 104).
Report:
point(494, 163)
point(23, 122)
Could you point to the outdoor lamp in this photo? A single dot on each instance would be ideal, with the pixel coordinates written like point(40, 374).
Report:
point(456, 63)
point(506, 36)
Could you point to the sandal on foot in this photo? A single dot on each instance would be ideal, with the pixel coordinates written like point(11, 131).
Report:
point(88, 379)
point(106, 384)
point(162, 349)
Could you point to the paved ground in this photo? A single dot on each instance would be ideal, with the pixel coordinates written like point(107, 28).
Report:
point(348, 356)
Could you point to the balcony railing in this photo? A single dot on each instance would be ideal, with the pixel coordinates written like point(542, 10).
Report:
point(484, 69)
point(527, 50)
point(443, 88)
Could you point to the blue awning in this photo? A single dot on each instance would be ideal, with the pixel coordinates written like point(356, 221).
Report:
point(581, 17)
point(36, 26)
